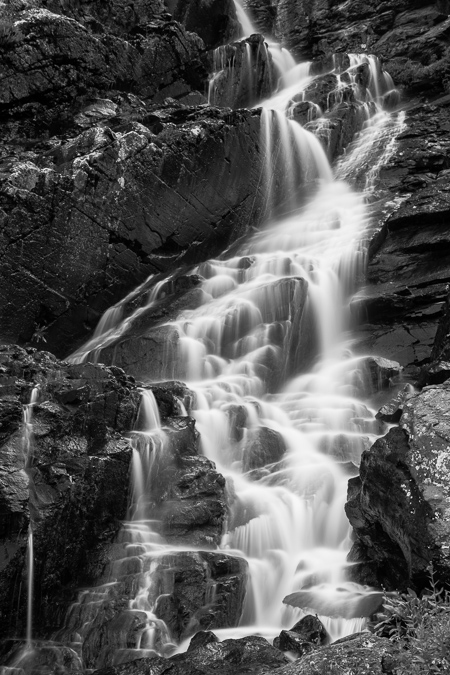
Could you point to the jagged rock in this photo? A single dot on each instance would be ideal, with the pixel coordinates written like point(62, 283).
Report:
point(438, 370)
point(410, 38)
point(362, 653)
point(252, 654)
point(245, 656)
point(310, 628)
point(325, 92)
point(80, 62)
point(187, 493)
point(244, 73)
point(214, 21)
point(409, 257)
point(307, 634)
point(381, 372)
point(169, 395)
point(199, 591)
point(398, 507)
point(392, 411)
point(140, 198)
point(75, 487)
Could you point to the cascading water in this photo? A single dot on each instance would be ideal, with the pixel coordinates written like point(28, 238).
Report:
point(28, 460)
point(25, 653)
point(278, 305)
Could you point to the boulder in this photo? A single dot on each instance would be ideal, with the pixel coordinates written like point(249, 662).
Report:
point(263, 446)
point(244, 73)
point(205, 655)
point(199, 591)
point(399, 505)
point(187, 495)
point(362, 653)
point(308, 634)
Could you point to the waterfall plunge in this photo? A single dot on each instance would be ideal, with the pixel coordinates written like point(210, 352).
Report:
point(279, 303)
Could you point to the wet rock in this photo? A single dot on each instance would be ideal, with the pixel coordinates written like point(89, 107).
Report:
point(141, 200)
point(75, 487)
point(381, 372)
point(399, 505)
point(409, 38)
point(264, 446)
point(361, 653)
point(169, 397)
point(199, 592)
point(244, 73)
point(392, 411)
point(252, 654)
point(288, 641)
point(310, 628)
point(438, 370)
point(307, 634)
point(187, 495)
point(244, 656)
point(325, 92)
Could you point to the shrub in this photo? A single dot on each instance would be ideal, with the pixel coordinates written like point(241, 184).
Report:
point(421, 628)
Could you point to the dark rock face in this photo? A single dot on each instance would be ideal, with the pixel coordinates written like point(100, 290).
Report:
point(206, 655)
point(140, 198)
point(187, 494)
point(199, 591)
point(75, 486)
point(398, 506)
point(438, 370)
point(221, 26)
point(409, 266)
point(410, 37)
point(244, 73)
point(307, 635)
point(77, 79)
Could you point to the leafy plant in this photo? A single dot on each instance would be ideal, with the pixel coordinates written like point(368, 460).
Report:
point(421, 628)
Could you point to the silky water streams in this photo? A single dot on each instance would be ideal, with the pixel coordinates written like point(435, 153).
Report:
point(270, 345)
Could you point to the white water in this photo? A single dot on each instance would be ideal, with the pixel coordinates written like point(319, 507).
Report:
point(247, 346)
point(28, 459)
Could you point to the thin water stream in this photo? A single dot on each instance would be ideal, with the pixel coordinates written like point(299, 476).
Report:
point(278, 305)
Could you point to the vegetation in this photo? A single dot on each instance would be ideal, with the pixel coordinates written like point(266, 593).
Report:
point(420, 626)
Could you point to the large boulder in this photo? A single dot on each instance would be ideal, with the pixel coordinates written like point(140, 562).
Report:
point(399, 505)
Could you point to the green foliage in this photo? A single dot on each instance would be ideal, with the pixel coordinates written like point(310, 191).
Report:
point(420, 626)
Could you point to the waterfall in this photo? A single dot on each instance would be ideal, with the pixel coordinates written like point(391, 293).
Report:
point(28, 460)
point(273, 337)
